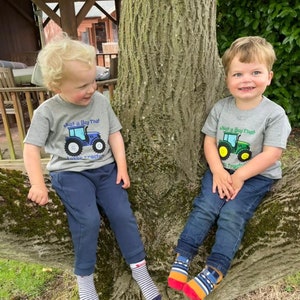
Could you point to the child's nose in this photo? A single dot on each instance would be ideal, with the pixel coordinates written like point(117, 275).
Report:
point(247, 78)
point(92, 88)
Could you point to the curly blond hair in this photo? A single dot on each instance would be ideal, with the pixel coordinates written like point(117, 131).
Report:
point(53, 57)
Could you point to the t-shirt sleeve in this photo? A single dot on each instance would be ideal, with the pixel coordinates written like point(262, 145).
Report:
point(277, 129)
point(39, 128)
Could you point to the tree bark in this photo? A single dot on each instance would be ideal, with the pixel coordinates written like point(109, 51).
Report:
point(269, 250)
point(169, 77)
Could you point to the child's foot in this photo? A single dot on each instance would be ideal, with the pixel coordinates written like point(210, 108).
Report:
point(179, 273)
point(141, 275)
point(203, 284)
point(86, 287)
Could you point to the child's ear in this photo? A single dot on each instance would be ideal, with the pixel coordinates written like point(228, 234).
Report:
point(54, 88)
point(270, 77)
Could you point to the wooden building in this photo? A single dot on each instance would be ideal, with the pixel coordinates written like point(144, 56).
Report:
point(97, 29)
point(22, 25)
point(19, 34)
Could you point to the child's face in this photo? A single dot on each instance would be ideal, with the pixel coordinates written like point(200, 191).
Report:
point(79, 84)
point(248, 81)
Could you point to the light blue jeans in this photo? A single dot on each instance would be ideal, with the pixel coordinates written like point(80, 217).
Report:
point(82, 193)
point(230, 217)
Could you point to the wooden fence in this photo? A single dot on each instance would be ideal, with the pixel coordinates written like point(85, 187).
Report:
point(14, 127)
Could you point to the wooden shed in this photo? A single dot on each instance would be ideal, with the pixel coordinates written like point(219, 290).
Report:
point(21, 24)
point(19, 34)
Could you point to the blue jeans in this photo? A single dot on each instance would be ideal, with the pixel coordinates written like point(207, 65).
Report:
point(231, 218)
point(82, 193)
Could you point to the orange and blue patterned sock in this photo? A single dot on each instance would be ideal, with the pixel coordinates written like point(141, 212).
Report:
point(203, 284)
point(179, 273)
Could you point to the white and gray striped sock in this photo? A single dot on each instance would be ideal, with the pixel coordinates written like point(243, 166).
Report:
point(141, 276)
point(86, 287)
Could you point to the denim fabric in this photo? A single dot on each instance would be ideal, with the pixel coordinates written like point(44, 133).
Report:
point(231, 218)
point(82, 193)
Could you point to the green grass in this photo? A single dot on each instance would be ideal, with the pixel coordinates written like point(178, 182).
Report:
point(292, 282)
point(19, 280)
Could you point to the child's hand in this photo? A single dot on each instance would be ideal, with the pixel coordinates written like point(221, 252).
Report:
point(222, 183)
point(38, 194)
point(123, 177)
point(237, 183)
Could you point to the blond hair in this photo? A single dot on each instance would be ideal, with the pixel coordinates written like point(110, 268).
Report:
point(250, 49)
point(54, 56)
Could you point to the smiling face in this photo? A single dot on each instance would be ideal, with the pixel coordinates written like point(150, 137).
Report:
point(78, 84)
point(248, 81)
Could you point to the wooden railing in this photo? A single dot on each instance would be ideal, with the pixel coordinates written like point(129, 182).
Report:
point(13, 130)
point(104, 59)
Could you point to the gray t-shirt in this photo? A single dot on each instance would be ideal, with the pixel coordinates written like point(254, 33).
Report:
point(241, 134)
point(75, 136)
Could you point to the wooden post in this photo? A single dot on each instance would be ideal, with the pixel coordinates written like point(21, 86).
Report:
point(5, 121)
point(113, 67)
point(68, 18)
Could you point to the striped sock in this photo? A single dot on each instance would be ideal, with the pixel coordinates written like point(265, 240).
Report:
point(86, 287)
point(179, 273)
point(141, 276)
point(203, 284)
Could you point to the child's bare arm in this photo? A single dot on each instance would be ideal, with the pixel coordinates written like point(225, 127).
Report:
point(32, 159)
point(118, 149)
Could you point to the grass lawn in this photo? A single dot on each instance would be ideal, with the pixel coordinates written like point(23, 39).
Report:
point(24, 281)
point(27, 281)
point(18, 279)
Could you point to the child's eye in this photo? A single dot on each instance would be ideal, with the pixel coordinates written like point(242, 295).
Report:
point(237, 74)
point(256, 72)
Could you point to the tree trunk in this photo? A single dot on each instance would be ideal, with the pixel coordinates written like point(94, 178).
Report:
point(169, 77)
point(269, 250)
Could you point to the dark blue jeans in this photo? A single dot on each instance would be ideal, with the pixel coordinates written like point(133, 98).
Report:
point(231, 218)
point(82, 193)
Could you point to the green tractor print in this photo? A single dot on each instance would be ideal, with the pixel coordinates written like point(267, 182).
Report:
point(231, 144)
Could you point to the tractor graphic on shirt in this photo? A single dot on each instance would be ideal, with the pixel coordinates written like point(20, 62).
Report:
point(231, 144)
point(80, 137)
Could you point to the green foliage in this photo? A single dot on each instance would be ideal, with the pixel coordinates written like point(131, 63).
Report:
point(278, 22)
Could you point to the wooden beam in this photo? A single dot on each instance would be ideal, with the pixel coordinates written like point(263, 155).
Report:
point(106, 13)
point(84, 10)
point(48, 11)
point(55, 9)
point(118, 10)
point(68, 20)
point(68, 17)
point(54, 1)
